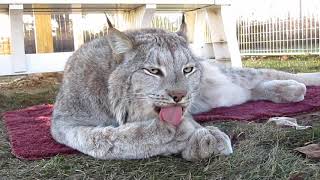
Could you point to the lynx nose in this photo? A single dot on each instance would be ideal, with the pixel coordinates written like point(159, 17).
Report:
point(177, 95)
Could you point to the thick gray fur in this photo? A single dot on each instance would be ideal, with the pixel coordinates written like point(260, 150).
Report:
point(105, 107)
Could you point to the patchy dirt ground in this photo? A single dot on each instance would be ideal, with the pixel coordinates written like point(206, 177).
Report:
point(29, 82)
point(261, 151)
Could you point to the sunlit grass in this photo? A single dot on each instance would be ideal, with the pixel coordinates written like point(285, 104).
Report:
point(294, 64)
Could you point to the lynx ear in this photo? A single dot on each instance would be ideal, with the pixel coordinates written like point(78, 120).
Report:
point(183, 28)
point(119, 42)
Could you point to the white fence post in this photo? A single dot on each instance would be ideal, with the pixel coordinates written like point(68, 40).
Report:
point(18, 58)
point(77, 27)
point(142, 16)
point(222, 26)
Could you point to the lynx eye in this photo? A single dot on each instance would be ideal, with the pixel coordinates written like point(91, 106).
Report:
point(153, 71)
point(187, 70)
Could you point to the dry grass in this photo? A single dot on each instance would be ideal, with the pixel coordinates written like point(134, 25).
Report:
point(261, 152)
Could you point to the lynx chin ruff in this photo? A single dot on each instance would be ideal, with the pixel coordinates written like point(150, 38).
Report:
point(129, 95)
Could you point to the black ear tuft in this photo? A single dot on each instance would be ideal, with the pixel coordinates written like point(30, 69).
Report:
point(183, 19)
point(183, 28)
point(108, 21)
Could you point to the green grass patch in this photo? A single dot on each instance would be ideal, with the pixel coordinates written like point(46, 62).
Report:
point(294, 64)
point(16, 100)
point(263, 154)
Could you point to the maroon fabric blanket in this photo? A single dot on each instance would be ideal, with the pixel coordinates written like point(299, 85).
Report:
point(261, 110)
point(29, 133)
point(29, 129)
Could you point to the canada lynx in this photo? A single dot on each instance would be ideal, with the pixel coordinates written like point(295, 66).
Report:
point(129, 95)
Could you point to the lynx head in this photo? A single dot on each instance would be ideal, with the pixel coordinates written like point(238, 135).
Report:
point(159, 73)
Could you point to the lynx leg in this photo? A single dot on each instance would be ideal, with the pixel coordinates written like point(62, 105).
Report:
point(136, 140)
point(143, 139)
point(279, 91)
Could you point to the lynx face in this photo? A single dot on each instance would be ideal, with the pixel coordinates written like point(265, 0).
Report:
point(169, 75)
point(165, 75)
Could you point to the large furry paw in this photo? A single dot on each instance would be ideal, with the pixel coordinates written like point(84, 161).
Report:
point(205, 142)
point(288, 91)
point(223, 145)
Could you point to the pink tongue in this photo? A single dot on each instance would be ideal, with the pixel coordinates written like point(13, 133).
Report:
point(172, 115)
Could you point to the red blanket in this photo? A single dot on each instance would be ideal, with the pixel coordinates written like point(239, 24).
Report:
point(29, 129)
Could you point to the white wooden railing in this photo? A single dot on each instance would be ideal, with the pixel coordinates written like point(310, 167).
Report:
point(217, 14)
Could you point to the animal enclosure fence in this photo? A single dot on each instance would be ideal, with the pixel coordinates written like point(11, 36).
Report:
point(272, 27)
point(275, 36)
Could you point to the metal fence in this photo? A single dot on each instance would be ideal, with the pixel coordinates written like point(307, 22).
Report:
point(273, 27)
point(275, 36)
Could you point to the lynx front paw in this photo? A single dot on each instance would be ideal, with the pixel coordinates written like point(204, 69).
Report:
point(223, 143)
point(206, 141)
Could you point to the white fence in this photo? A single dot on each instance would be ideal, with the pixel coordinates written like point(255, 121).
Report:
point(272, 27)
point(276, 36)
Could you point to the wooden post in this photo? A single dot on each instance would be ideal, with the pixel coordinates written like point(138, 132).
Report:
point(18, 58)
point(141, 17)
point(223, 34)
point(43, 31)
point(200, 24)
point(77, 27)
point(190, 21)
point(198, 32)
point(148, 13)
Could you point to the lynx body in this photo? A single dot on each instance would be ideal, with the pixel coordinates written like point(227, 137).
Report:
point(129, 95)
